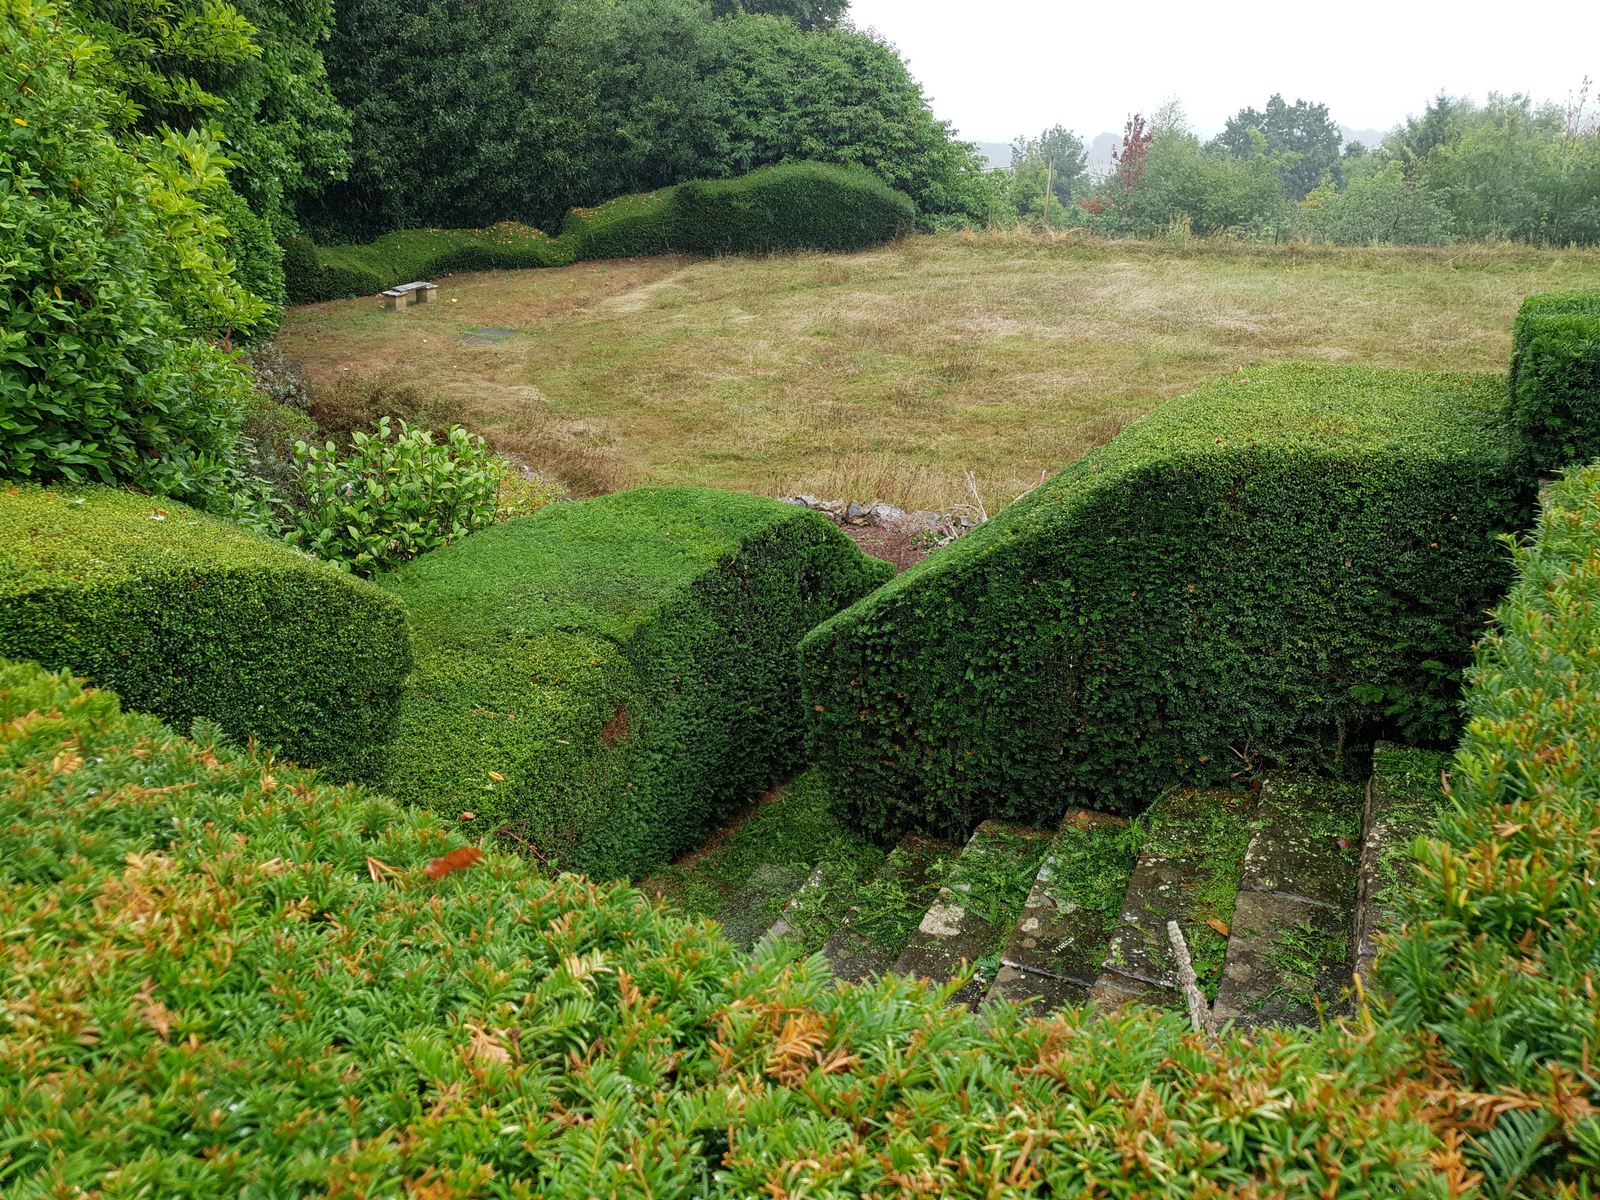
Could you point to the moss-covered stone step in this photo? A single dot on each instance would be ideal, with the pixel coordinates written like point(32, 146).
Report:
point(1288, 953)
point(1061, 937)
point(782, 928)
point(1403, 798)
point(875, 929)
point(1188, 870)
point(970, 918)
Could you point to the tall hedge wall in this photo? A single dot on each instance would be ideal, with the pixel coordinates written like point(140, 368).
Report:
point(188, 616)
point(1263, 570)
point(608, 679)
point(1503, 933)
point(1554, 404)
point(796, 206)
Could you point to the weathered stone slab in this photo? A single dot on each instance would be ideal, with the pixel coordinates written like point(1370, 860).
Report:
point(1056, 937)
point(781, 928)
point(749, 916)
point(1403, 797)
point(1285, 956)
point(1042, 993)
point(1113, 989)
point(954, 933)
point(858, 954)
point(1304, 845)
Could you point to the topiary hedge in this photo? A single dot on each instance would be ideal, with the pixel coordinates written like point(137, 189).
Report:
point(608, 679)
point(1504, 933)
point(225, 977)
point(1554, 404)
point(628, 227)
point(1266, 570)
point(329, 272)
point(189, 616)
point(795, 206)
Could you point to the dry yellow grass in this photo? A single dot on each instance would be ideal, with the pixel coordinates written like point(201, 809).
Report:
point(889, 375)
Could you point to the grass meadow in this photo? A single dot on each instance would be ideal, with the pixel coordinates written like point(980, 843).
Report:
point(892, 374)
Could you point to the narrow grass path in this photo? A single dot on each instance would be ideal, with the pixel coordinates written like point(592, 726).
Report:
point(890, 374)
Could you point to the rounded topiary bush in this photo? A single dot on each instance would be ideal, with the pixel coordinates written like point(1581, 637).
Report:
point(795, 206)
point(608, 679)
point(188, 616)
point(1553, 406)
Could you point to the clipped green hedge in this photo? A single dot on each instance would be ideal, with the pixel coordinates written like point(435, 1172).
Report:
point(316, 273)
point(794, 206)
point(1554, 404)
point(1500, 953)
point(635, 226)
point(226, 978)
point(188, 616)
point(608, 679)
point(1272, 567)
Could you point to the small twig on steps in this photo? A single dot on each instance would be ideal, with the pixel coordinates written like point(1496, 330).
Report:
point(1199, 1011)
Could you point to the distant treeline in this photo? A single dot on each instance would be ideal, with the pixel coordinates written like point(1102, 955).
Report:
point(1506, 169)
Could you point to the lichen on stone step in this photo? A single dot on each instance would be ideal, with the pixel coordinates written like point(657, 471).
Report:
point(1188, 870)
point(967, 922)
point(876, 927)
point(1054, 953)
point(1288, 952)
point(1403, 798)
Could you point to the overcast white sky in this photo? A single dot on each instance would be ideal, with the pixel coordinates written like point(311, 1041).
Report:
point(997, 68)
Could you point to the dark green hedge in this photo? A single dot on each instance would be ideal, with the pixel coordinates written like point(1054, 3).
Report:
point(1276, 565)
point(628, 227)
point(225, 978)
point(608, 679)
point(1554, 405)
point(1503, 934)
point(189, 616)
point(795, 206)
point(314, 273)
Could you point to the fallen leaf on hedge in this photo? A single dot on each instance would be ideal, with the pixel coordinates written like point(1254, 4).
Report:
point(485, 1047)
point(1219, 925)
point(469, 816)
point(1344, 843)
point(497, 777)
point(457, 860)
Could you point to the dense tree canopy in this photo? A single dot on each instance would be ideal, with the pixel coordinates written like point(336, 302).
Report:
point(1300, 137)
point(466, 113)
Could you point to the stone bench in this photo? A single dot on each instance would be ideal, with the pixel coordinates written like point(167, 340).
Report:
point(420, 292)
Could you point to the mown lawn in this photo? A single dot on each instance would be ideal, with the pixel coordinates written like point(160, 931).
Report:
point(891, 374)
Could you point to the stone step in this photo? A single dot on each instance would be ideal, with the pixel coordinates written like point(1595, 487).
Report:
point(874, 930)
point(1188, 870)
point(781, 928)
point(1061, 937)
point(1288, 951)
point(1404, 796)
point(976, 906)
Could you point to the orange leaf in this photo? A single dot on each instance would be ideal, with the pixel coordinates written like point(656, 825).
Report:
point(457, 860)
point(1220, 926)
point(497, 777)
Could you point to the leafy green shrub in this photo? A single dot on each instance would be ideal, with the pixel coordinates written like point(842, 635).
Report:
point(797, 206)
point(257, 259)
point(1554, 405)
point(1383, 208)
point(1266, 570)
point(226, 978)
point(608, 678)
point(113, 273)
point(393, 495)
point(1498, 957)
point(188, 616)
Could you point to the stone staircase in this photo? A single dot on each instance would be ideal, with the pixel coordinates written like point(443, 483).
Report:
point(1279, 893)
